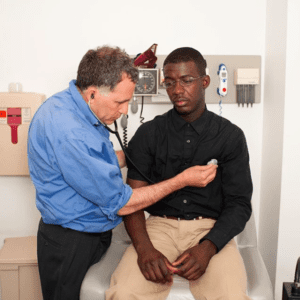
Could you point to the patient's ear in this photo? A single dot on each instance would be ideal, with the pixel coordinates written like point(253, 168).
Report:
point(206, 81)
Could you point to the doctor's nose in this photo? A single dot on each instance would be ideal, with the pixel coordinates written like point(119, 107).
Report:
point(124, 108)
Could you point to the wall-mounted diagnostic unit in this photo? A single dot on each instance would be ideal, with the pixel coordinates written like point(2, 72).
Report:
point(16, 112)
point(222, 89)
point(233, 78)
point(147, 84)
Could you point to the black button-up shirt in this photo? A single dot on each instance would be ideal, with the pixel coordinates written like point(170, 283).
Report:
point(167, 145)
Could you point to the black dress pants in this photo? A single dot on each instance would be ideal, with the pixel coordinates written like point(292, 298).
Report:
point(64, 257)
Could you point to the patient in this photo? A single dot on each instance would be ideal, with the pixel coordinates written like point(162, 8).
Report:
point(190, 232)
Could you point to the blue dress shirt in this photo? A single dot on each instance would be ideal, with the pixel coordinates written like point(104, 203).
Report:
point(73, 166)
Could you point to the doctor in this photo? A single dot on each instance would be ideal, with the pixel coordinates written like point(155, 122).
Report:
point(79, 187)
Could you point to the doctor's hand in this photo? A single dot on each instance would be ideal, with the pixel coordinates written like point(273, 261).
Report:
point(199, 176)
point(193, 262)
point(155, 266)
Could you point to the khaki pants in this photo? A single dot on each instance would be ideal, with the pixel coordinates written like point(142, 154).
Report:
point(224, 279)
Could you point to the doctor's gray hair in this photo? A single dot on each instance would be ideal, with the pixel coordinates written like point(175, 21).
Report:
point(104, 67)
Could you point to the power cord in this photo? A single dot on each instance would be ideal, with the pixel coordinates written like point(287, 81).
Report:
point(124, 123)
point(142, 118)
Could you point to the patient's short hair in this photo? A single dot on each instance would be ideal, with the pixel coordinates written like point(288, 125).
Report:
point(186, 54)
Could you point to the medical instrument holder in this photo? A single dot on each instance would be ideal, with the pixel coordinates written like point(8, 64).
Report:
point(291, 290)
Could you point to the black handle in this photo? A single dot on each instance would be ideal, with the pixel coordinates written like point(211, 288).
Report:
point(297, 273)
point(296, 285)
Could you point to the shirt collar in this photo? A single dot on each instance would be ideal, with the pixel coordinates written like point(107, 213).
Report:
point(82, 105)
point(198, 124)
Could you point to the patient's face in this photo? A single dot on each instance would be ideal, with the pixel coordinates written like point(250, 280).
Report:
point(189, 101)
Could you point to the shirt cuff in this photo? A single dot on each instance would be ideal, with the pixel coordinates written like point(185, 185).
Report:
point(219, 238)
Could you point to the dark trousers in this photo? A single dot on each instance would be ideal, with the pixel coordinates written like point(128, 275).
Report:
point(64, 257)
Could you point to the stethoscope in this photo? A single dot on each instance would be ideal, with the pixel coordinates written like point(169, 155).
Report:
point(120, 141)
point(124, 150)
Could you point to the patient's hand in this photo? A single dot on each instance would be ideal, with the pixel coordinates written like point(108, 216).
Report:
point(155, 266)
point(193, 262)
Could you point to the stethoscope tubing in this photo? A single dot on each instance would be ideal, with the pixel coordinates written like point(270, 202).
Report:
point(124, 150)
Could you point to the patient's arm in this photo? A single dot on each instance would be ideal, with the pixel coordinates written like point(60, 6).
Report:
point(121, 158)
point(152, 263)
point(135, 223)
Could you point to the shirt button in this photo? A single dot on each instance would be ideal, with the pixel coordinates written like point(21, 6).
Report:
point(188, 141)
point(185, 201)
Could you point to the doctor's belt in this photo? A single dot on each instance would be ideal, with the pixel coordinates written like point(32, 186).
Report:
point(184, 219)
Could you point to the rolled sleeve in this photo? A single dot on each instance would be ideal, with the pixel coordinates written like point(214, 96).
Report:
point(112, 211)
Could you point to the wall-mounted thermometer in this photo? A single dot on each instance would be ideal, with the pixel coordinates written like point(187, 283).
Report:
point(222, 72)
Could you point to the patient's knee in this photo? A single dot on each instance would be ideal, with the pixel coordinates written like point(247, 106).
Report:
point(118, 292)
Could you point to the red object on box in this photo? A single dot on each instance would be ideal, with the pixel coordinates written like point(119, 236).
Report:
point(14, 120)
point(2, 113)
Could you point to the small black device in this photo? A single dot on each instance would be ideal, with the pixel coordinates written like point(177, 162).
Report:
point(291, 290)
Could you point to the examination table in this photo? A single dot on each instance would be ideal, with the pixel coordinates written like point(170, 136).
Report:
point(259, 287)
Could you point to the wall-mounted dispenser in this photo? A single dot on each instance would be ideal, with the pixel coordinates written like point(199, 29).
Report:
point(245, 81)
point(16, 112)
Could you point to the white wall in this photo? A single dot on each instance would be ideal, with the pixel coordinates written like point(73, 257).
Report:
point(42, 43)
point(273, 120)
point(289, 227)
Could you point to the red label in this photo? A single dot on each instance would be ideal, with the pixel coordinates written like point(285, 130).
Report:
point(2, 114)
